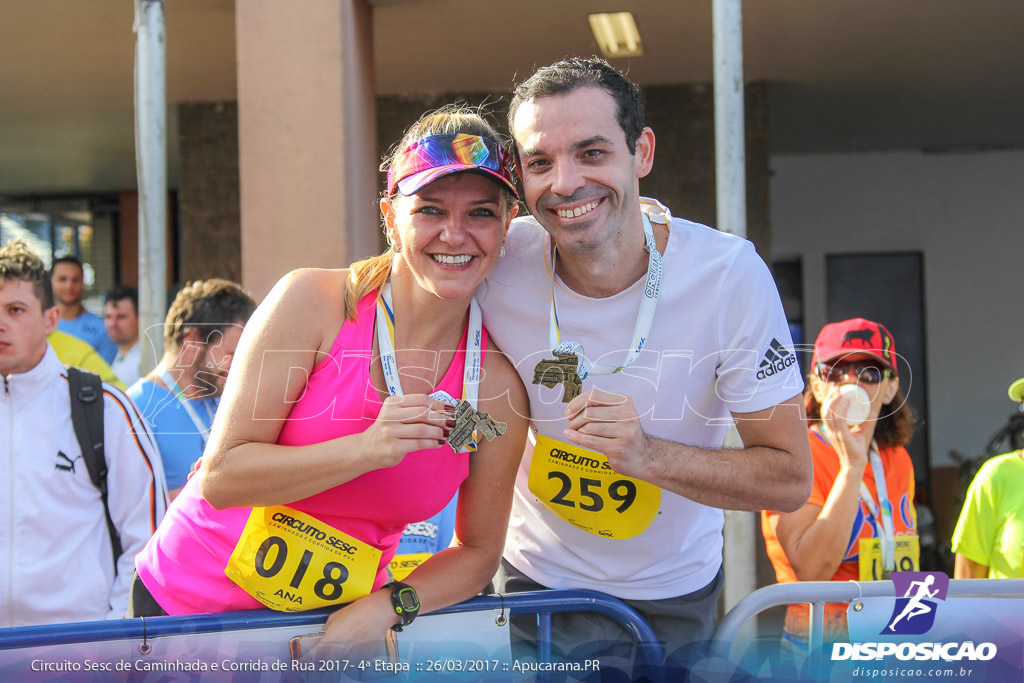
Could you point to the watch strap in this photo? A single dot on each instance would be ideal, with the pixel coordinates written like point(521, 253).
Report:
point(402, 594)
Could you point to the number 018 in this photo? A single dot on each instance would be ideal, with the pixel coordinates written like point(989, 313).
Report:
point(327, 588)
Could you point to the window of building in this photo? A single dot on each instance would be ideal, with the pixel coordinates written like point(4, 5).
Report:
point(81, 227)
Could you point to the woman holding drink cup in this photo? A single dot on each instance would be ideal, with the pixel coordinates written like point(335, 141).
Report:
point(860, 522)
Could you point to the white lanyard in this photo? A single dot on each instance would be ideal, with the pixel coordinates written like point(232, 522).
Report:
point(644, 317)
point(887, 531)
point(389, 363)
point(202, 427)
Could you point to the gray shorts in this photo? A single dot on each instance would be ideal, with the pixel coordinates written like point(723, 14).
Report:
point(683, 624)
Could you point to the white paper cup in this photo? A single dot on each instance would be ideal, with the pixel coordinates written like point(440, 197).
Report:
point(859, 404)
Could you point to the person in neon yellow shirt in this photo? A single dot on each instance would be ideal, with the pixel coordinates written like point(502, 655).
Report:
point(77, 353)
point(989, 536)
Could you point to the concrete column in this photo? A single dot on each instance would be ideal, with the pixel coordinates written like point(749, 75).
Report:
point(307, 136)
point(151, 155)
point(730, 152)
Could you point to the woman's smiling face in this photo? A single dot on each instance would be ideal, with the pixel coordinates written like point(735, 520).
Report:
point(450, 232)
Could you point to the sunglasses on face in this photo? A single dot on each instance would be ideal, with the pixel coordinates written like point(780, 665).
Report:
point(865, 373)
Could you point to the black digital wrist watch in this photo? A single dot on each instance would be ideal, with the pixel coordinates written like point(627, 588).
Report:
point(404, 601)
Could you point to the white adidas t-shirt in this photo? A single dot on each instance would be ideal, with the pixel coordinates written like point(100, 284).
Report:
point(719, 344)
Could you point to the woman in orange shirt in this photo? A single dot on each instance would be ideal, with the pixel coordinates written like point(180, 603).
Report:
point(859, 422)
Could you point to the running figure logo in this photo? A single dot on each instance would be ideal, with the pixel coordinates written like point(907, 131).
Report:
point(914, 613)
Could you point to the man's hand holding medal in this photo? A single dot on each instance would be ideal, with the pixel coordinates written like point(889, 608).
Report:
point(608, 423)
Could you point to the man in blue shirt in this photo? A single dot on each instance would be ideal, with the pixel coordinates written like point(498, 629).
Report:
point(68, 282)
point(179, 397)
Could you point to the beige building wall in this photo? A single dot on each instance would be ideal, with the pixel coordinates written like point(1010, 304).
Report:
point(307, 136)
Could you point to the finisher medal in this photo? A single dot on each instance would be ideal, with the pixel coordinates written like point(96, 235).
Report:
point(570, 366)
point(562, 369)
point(471, 376)
point(468, 420)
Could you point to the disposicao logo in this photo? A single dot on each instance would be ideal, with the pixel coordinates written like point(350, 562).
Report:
point(913, 615)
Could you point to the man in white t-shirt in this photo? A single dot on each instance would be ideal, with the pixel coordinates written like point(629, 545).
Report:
point(621, 488)
point(121, 319)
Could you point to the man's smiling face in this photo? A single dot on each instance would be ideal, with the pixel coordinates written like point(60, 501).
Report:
point(581, 182)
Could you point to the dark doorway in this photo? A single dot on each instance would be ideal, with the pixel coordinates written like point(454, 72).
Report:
point(789, 279)
point(889, 288)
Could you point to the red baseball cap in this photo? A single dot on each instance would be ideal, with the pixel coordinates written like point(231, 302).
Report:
point(855, 337)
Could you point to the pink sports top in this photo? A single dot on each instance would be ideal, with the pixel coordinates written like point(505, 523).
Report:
point(183, 563)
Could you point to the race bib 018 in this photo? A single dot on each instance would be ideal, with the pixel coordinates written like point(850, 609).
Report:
point(580, 486)
point(290, 561)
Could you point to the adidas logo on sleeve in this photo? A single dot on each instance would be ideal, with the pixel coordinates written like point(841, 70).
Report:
point(776, 359)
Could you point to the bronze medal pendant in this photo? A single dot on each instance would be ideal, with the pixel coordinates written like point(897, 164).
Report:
point(570, 366)
point(560, 370)
point(468, 420)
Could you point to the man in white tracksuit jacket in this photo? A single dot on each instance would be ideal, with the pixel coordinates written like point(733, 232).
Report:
point(56, 561)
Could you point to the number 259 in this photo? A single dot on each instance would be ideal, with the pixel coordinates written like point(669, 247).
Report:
point(623, 491)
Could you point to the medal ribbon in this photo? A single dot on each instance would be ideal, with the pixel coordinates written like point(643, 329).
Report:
point(389, 363)
point(644, 318)
point(202, 427)
point(887, 531)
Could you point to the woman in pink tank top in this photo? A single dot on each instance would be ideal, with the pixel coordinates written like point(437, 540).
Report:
point(361, 400)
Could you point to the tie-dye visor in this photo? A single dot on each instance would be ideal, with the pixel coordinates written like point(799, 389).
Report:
point(436, 156)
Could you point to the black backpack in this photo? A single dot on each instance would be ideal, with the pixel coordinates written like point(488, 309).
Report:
point(87, 418)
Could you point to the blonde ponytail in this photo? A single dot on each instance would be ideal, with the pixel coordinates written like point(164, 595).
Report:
point(364, 277)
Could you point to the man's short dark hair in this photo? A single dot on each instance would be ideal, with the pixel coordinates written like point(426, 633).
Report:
point(580, 72)
point(67, 259)
point(208, 306)
point(17, 262)
point(120, 293)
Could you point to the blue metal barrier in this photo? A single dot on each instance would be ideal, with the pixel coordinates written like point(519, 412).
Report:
point(649, 657)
